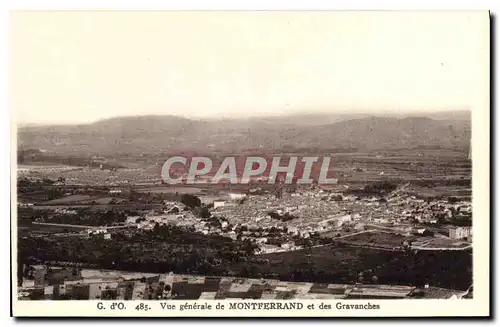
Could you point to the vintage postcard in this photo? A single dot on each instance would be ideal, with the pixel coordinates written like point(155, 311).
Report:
point(250, 164)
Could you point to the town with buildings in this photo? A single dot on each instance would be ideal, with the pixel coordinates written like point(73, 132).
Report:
point(53, 283)
point(268, 221)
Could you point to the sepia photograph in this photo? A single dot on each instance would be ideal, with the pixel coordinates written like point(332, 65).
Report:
point(220, 163)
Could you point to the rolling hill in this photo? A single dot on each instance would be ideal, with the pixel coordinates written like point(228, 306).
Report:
point(159, 134)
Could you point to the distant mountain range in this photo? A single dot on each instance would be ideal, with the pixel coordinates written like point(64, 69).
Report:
point(165, 134)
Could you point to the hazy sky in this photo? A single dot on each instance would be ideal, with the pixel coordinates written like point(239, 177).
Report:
point(84, 66)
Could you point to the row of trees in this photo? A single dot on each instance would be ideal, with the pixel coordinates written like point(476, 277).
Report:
point(165, 248)
point(447, 269)
point(82, 217)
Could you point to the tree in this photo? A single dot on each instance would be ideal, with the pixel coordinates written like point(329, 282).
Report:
point(191, 201)
point(205, 213)
point(361, 277)
point(337, 197)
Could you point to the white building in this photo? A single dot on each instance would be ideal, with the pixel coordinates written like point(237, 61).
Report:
point(146, 225)
point(288, 245)
point(232, 234)
point(460, 232)
point(219, 204)
point(344, 219)
point(132, 219)
point(96, 231)
point(236, 196)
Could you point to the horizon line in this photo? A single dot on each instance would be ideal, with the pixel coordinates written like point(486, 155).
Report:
point(216, 116)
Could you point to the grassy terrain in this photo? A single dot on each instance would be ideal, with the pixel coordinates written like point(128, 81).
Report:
point(378, 239)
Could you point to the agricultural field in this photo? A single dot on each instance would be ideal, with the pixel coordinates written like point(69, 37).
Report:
point(433, 242)
point(50, 231)
point(431, 173)
point(71, 199)
point(81, 199)
point(170, 189)
point(378, 238)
